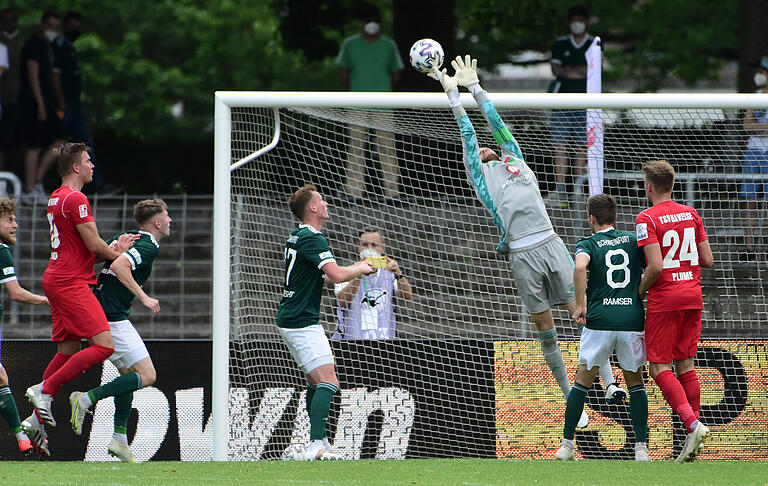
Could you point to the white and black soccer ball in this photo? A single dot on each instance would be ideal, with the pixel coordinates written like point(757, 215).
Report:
point(295, 452)
point(426, 54)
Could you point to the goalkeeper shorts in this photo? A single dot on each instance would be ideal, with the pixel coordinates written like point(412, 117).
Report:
point(543, 274)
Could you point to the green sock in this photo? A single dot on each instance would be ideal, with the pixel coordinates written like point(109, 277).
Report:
point(127, 383)
point(638, 410)
point(123, 407)
point(8, 409)
point(573, 408)
point(321, 406)
point(310, 394)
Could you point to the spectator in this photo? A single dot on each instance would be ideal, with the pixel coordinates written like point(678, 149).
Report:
point(368, 311)
point(371, 62)
point(568, 127)
point(9, 81)
point(755, 159)
point(40, 107)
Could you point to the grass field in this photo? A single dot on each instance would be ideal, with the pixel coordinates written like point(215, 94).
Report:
point(408, 472)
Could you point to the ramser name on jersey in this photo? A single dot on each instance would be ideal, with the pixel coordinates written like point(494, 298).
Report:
point(618, 301)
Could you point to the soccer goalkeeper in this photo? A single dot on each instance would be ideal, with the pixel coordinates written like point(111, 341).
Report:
point(540, 262)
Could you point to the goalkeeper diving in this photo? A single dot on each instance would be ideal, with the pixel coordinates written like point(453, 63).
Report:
point(540, 262)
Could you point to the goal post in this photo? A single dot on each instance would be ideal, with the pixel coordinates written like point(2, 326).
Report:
point(465, 319)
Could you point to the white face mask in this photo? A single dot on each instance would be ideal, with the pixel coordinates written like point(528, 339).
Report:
point(760, 79)
point(51, 35)
point(371, 28)
point(11, 35)
point(578, 28)
point(369, 253)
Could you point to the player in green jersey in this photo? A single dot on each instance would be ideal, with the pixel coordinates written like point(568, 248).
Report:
point(609, 306)
point(308, 259)
point(8, 410)
point(119, 282)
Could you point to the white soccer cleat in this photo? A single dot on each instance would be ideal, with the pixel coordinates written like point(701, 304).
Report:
point(42, 402)
point(641, 452)
point(121, 451)
point(692, 444)
point(317, 452)
point(565, 453)
point(615, 395)
point(583, 421)
point(78, 412)
point(37, 435)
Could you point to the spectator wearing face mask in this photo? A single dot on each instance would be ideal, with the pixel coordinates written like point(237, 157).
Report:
point(568, 127)
point(367, 305)
point(41, 107)
point(755, 160)
point(369, 61)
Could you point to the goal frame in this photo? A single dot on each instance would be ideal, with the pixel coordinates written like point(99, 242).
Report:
point(224, 165)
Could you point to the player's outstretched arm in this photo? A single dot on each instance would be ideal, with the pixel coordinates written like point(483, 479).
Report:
point(19, 294)
point(337, 274)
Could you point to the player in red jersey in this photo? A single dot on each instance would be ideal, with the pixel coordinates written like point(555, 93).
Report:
point(75, 312)
point(676, 247)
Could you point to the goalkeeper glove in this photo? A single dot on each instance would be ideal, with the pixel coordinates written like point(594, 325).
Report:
point(448, 82)
point(466, 71)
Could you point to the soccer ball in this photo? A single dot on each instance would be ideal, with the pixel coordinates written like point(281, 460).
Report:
point(425, 55)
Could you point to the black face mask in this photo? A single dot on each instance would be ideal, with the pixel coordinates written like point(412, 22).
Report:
point(72, 35)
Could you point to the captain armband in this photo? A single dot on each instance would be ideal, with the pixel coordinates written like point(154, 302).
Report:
point(502, 135)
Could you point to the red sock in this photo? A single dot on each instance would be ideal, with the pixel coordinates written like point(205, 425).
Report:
point(78, 364)
point(675, 395)
point(56, 363)
point(690, 382)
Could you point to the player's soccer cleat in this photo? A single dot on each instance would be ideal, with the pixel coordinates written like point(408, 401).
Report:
point(583, 421)
point(565, 453)
point(25, 446)
point(316, 451)
point(641, 452)
point(615, 395)
point(121, 451)
point(42, 402)
point(78, 412)
point(37, 436)
point(692, 444)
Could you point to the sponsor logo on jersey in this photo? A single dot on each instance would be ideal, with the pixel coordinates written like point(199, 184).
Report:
point(53, 201)
point(512, 169)
point(136, 255)
point(9, 270)
point(617, 301)
point(325, 255)
point(642, 231)
point(83, 208)
point(293, 239)
point(288, 293)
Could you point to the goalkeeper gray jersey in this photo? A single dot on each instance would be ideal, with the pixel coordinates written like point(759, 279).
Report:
point(508, 188)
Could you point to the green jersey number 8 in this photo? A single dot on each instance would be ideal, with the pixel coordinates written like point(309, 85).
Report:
point(613, 268)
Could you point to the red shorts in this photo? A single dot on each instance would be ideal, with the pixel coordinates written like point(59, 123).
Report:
point(75, 311)
point(672, 335)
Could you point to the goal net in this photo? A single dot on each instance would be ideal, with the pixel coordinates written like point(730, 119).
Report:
point(462, 375)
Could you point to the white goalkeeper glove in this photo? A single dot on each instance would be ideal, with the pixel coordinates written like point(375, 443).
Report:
point(466, 71)
point(448, 82)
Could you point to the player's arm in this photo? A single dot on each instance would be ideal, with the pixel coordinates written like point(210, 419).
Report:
point(90, 235)
point(121, 267)
point(338, 274)
point(404, 290)
point(580, 288)
point(706, 259)
point(653, 268)
point(19, 294)
point(345, 296)
point(33, 69)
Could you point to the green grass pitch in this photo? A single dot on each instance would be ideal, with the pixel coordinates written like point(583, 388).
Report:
point(409, 472)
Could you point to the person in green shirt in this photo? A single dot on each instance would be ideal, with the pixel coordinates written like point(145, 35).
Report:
point(8, 410)
point(308, 263)
point(608, 304)
point(119, 283)
point(369, 61)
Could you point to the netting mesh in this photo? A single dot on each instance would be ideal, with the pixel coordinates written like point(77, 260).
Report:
point(401, 171)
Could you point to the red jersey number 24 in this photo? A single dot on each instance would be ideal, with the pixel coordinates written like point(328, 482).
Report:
point(688, 250)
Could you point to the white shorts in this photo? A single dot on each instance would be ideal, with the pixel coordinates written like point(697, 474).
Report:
point(308, 345)
point(129, 347)
point(597, 347)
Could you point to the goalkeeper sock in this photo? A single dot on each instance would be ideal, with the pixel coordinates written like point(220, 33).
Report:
point(8, 409)
point(606, 373)
point(690, 382)
point(123, 407)
point(638, 410)
point(573, 408)
point(554, 359)
point(310, 395)
point(127, 383)
point(675, 395)
point(321, 407)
